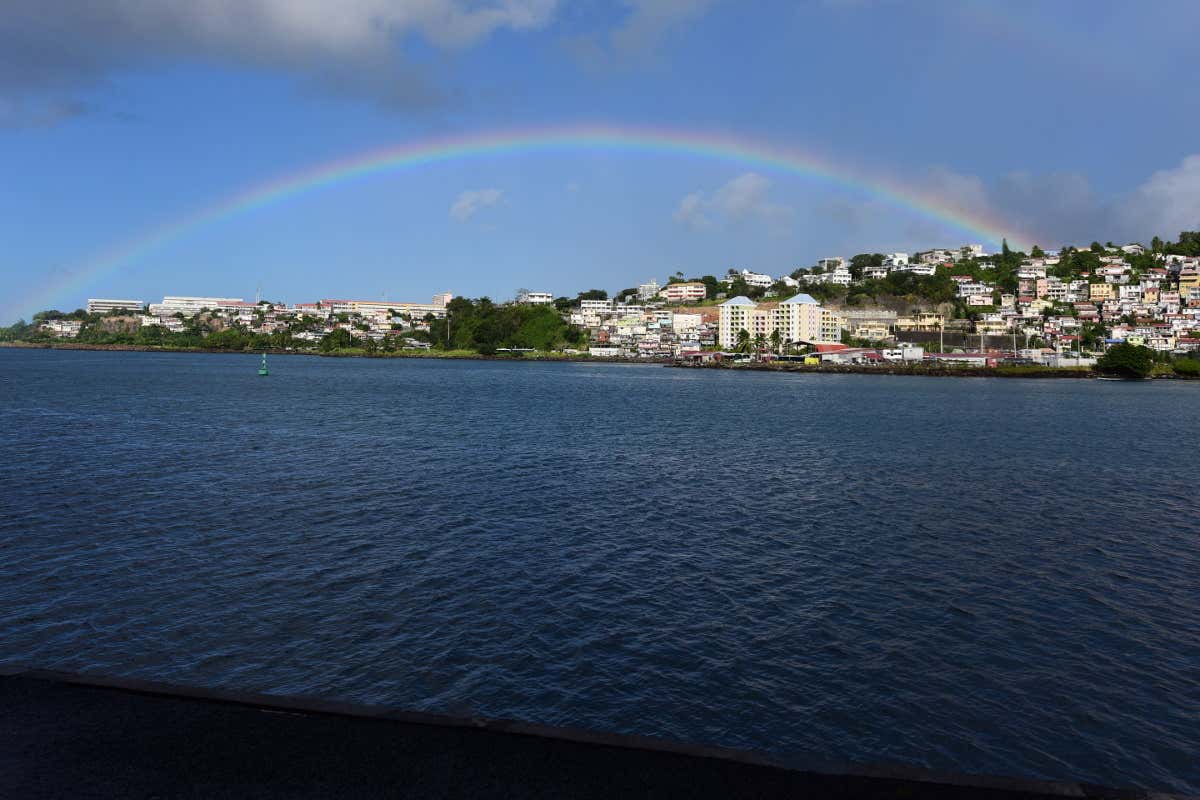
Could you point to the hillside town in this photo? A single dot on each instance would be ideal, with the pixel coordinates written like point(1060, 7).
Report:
point(960, 305)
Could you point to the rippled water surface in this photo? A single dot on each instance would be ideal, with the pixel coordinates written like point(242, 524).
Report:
point(990, 576)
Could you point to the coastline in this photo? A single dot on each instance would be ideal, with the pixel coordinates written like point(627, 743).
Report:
point(926, 371)
point(452, 355)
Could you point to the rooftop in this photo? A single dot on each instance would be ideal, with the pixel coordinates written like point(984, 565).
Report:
point(806, 299)
point(740, 300)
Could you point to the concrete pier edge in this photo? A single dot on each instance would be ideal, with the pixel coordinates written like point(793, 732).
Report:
point(645, 744)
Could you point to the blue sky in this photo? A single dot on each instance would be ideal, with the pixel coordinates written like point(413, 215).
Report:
point(1071, 120)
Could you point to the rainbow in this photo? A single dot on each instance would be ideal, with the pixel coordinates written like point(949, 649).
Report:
point(412, 155)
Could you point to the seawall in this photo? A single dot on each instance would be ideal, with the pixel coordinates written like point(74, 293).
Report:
point(71, 735)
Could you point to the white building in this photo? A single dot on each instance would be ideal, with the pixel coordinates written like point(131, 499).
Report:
point(383, 308)
point(757, 279)
point(936, 256)
point(838, 277)
point(917, 269)
point(895, 259)
point(63, 328)
point(970, 287)
point(525, 296)
point(876, 273)
point(189, 306)
point(832, 264)
point(98, 306)
point(595, 307)
point(648, 290)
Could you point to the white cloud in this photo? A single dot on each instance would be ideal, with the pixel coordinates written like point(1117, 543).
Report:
point(744, 197)
point(690, 211)
point(650, 20)
point(1057, 208)
point(642, 30)
point(1166, 203)
point(346, 45)
point(472, 201)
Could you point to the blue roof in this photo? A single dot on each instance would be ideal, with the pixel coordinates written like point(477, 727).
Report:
point(740, 300)
point(807, 299)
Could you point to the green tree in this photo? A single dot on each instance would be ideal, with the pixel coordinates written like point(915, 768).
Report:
point(227, 339)
point(860, 262)
point(1188, 244)
point(760, 343)
point(1037, 252)
point(738, 286)
point(743, 341)
point(1126, 361)
point(777, 341)
point(337, 339)
point(1187, 368)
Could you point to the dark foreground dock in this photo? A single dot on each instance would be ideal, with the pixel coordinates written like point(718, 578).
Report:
point(77, 736)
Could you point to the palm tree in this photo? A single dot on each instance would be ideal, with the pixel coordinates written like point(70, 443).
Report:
point(760, 343)
point(777, 341)
point(743, 341)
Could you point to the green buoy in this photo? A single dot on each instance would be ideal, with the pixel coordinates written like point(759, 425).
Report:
point(262, 370)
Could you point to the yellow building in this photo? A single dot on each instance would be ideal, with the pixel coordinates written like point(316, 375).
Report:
point(1189, 283)
point(992, 327)
point(1100, 291)
point(798, 319)
point(831, 326)
point(871, 331)
point(923, 321)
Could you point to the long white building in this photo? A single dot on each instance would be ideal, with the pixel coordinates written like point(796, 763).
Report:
point(193, 305)
point(437, 308)
point(101, 306)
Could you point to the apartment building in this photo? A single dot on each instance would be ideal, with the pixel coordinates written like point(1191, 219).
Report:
point(101, 306)
point(689, 292)
point(798, 319)
point(189, 306)
point(366, 307)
